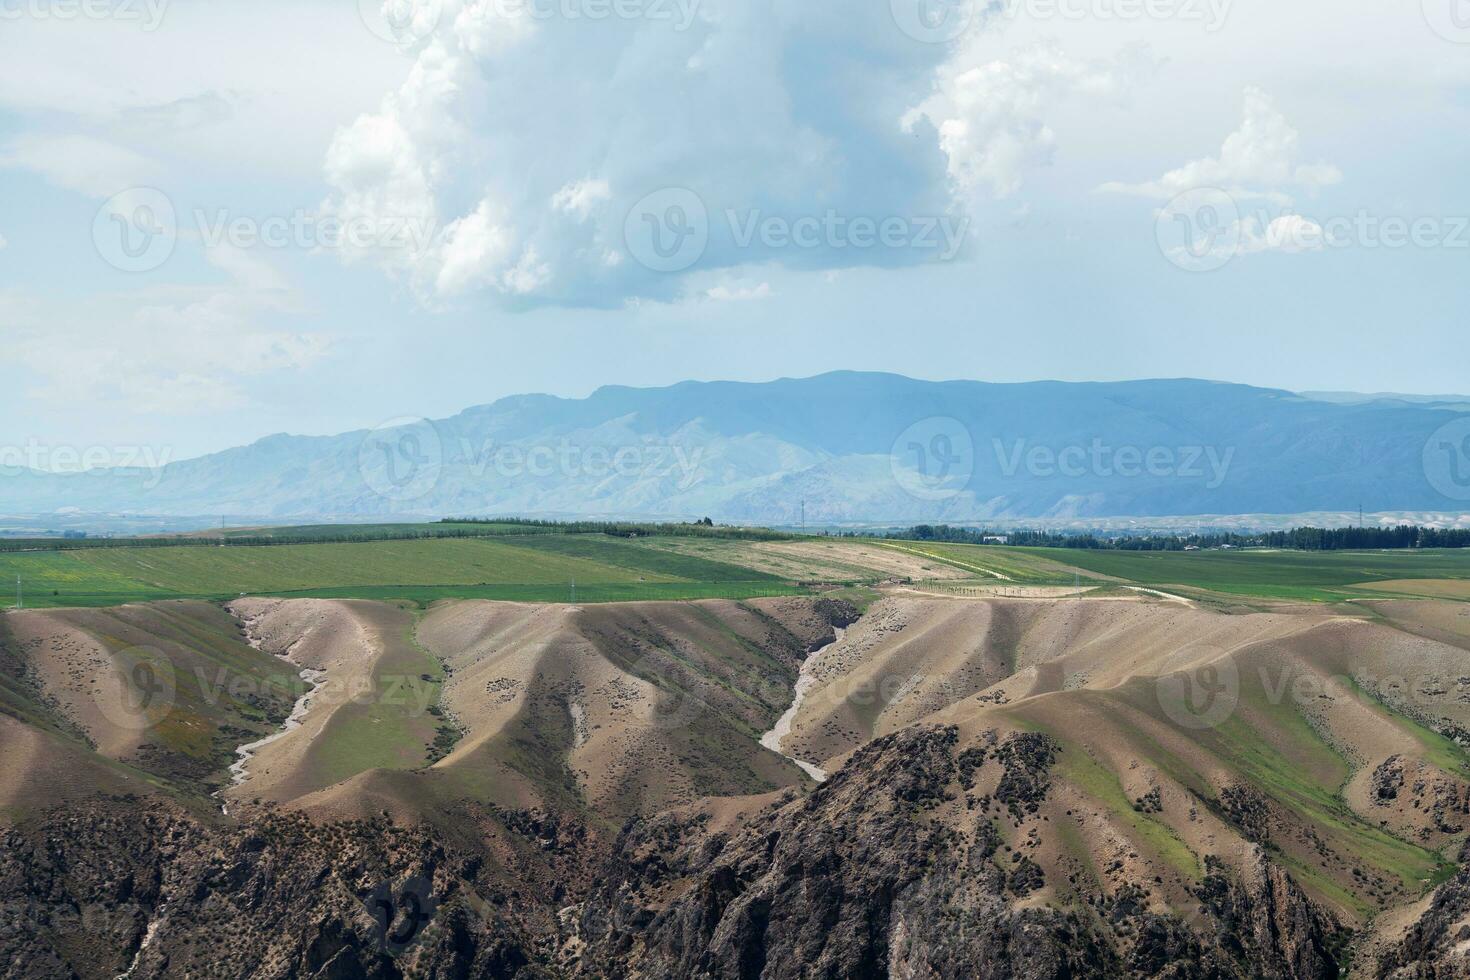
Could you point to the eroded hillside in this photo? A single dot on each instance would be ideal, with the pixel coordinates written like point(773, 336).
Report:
point(1015, 787)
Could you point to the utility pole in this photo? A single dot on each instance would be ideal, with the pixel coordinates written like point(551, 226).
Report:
point(803, 516)
point(19, 600)
point(574, 590)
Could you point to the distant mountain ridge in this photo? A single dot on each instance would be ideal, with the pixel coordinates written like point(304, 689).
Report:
point(846, 446)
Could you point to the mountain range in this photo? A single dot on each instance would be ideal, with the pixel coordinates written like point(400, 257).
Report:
point(839, 447)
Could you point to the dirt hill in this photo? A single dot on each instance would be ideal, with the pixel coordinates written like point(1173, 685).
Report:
point(1014, 787)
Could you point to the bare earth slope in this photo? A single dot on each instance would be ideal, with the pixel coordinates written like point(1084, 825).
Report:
point(1037, 788)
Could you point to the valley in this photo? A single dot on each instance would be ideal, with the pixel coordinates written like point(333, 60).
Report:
point(1085, 774)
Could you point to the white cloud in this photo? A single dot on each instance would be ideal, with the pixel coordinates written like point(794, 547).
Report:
point(223, 89)
point(1261, 159)
point(4, 244)
point(246, 267)
point(991, 115)
point(527, 141)
point(163, 350)
point(75, 162)
point(582, 197)
point(738, 294)
point(1288, 233)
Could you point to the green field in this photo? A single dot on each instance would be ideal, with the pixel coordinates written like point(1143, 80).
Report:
point(445, 528)
point(1315, 576)
point(530, 567)
point(1308, 576)
point(541, 566)
point(1023, 566)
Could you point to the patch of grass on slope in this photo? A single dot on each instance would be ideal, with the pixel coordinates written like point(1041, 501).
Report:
point(391, 726)
point(1276, 750)
point(1435, 748)
point(1103, 786)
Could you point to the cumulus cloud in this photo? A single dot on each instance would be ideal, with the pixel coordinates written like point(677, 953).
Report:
point(737, 294)
point(1287, 233)
point(1249, 235)
point(1261, 159)
point(582, 197)
point(757, 108)
point(991, 114)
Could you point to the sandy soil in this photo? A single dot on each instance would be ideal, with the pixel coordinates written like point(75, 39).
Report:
point(910, 657)
point(79, 671)
point(340, 639)
point(579, 683)
point(38, 770)
point(1439, 588)
point(632, 708)
point(814, 561)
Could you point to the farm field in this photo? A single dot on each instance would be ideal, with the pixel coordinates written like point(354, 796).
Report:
point(533, 568)
point(818, 559)
point(1023, 566)
point(1291, 575)
point(592, 567)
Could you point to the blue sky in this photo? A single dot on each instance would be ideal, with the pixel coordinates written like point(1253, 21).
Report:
point(333, 219)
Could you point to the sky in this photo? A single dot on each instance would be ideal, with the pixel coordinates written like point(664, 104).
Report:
point(222, 219)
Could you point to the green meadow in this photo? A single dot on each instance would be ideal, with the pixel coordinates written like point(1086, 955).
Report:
point(533, 564)
point(1317, 576)
point(530, 567)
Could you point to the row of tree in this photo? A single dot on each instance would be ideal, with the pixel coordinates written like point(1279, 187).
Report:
point(1404, 536)
point(633, 529)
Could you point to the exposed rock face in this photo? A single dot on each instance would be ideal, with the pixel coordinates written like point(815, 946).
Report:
point(1265, 920)
point(1437, 946)
point(1388, 779)
point(1248, 810)
point(153, 892)
point(850, 881)
point(866, 876)
point(858, 880)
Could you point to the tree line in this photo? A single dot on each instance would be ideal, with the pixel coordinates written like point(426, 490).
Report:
point(480, 528)
point(704, 528)
point(1402, 537)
